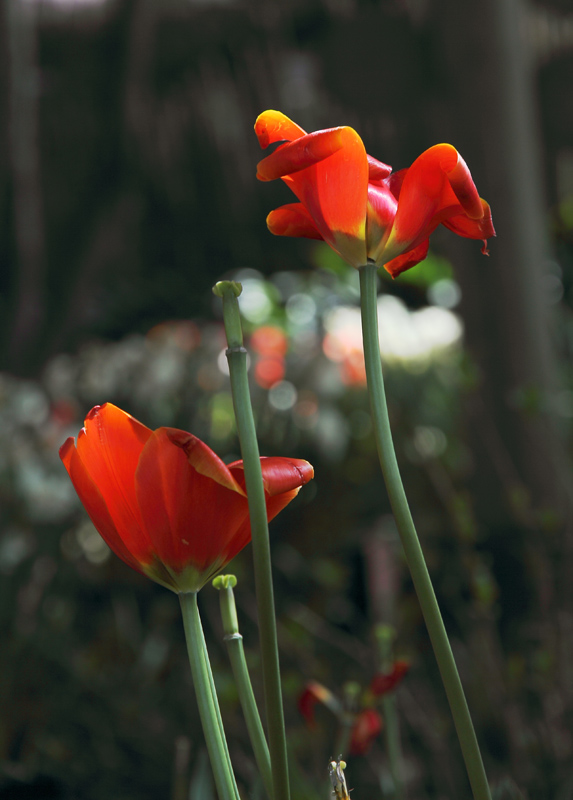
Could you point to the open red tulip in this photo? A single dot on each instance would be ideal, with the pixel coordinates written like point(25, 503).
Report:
point(163, 501)
point(357, 204)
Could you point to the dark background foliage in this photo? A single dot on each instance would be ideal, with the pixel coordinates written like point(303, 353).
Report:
point(127, 188)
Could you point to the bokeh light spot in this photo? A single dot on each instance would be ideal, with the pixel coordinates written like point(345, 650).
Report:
point(283, 396)
point(301, 309)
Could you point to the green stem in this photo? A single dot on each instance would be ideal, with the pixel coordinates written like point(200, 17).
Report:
point(392, 739)
point(237, 357)
point(385, 635)
point(347, 717)
point(207, 699)
point(409, 537)
point(234, 642)
point(342, 745)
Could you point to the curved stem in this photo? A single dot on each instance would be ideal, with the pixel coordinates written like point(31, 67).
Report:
point(237, 358)
point(409, 537)
point(207, 699)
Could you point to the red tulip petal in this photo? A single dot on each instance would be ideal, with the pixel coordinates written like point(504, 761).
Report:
point(316, 693)
point(377, 170)
point(366, 728)
point(335, 192)
point(302, 153)
point(306, 704)
point(279, 474)
point(282, 479)
point(382, 207)
point(408, 259)
point(109, 446)
point(193, 508)
point(203, 459)
point(276, 504)
point(383, 683)
point(293, 220)
point(328, 172)
point(472, 228)
point(285, 474)
point(461, 181)
point(442, 161)
point(274, 126)
point(95, 505)
point(439, 179)
point(395, 180)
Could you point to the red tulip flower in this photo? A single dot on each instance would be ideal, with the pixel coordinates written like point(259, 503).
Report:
point(357, 204)
point(365, 730)
point(314, 693)
point(163, 501)
point(382, 683)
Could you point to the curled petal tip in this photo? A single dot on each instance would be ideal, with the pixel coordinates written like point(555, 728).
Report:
point(305, 470)
point(260, 176)
point(66, 447)
point(282, 475)
point(261, 132)
point(273, 126)
point(94, 412)
point(180, 438)
point(292, 220)
point(464, 188)
point(302, 152)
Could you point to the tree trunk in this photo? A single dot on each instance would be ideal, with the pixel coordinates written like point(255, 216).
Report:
point(507, 297)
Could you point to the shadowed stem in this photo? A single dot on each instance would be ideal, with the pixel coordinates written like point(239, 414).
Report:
point(409, 537)
point(392, 739)
point(207, 699)
point(385, 635)
point(237, 358)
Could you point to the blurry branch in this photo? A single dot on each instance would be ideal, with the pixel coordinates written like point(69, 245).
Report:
point(383, 567)
point(140, 104)
point(26, 182)
point(113, 230)
point(320, 629)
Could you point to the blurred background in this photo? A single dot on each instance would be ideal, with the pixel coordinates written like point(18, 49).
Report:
point(127, 188)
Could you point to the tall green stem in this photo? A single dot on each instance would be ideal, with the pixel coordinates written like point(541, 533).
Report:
point(234, 641)
point(207, 699)
point(237, 358)
point(409, 537)
point(392, 738)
